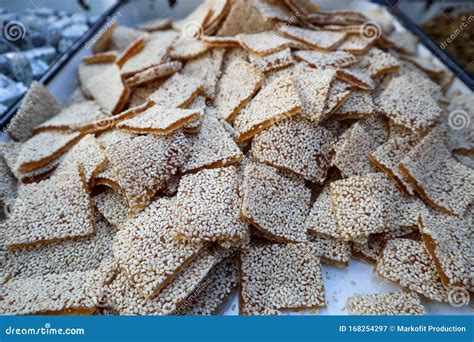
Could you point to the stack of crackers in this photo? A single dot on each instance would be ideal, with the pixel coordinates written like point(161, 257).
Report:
point(240, 147)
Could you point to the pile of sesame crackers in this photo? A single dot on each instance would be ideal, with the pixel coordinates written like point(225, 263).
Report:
point(239, 148)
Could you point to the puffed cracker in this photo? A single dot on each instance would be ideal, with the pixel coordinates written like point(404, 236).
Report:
point(318, 40)
point(143, 163)
point(177, 91)
point(338, 94)
point(37, 106)
point(188, 49)
point(213, 291)
point(407, 263)
point(295, 145)
point(357, 77)
point(379, 63)
point(350, 152)
point(54, 209)
point(275, 203)
point(220, 9)
point(8, 183)
point(70, 293)
point(274, 61)
point(80, 254)
point(370, 204)
point(312, 86)
point(153, 73)
point(113, 207)
point(274, 278)
point(130, 51)
point(153, 53)
point(448, 240)
point(43, 148)
point(332, 251)
point(108, 89)
point(207, 69)
point(275, 102)
point(238, 84)
point(121, 37)
point(265, 43)
point(406, 104)
point(323, 59)
point(370, 250)
point(386, 304)
point(221, 42)
point(145, 250)
point(321, 220)
point(358, 105)
point(125, 299)
point(211, 147)
point(159, 120)
point(77, 117)
point(437, 177)
point(157, 24)
point(208, 207)
point(388, 156)
point(356, 44)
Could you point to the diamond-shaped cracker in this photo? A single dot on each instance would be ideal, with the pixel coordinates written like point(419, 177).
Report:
point(356, 44)
point(407, 104)
point(85, 72)
point(358, 105)
point(448, 240)
point(80, 254)
point(77, 117)
point(407, 263)
point(211, 147)
point(275, 203)
point(275, 102)
point(332, 251)
point(321, 220)
point(125, 299)
point(386, 304)
point(212, 292)
point(274, 61)
point(312, 86)
point(370, 204)
point(153, 53)
point(265, 43)
point(239, 82)
point(379, 63)
point(188, 49)
point(220, 9)
point(143, 163)
point(54, 209)
point(108, 89)
point(43, 148)
point(11, 151)
point(113, 207)
point(38, 105)
point(207, 69)
point(357, 77)
point(177, 91)
point(121, 37)
point(193, 25)
point(145, 251)
point(388, 156)
point(296, 145)
point(208, 206)
point(352, 149)
point(338, 94)
point(70, 293)
point(159, 120)
point(245, 17)
point(318, 40)
point(439, 179)
point(280, 277)
point(153, 73)
point(323, 59)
